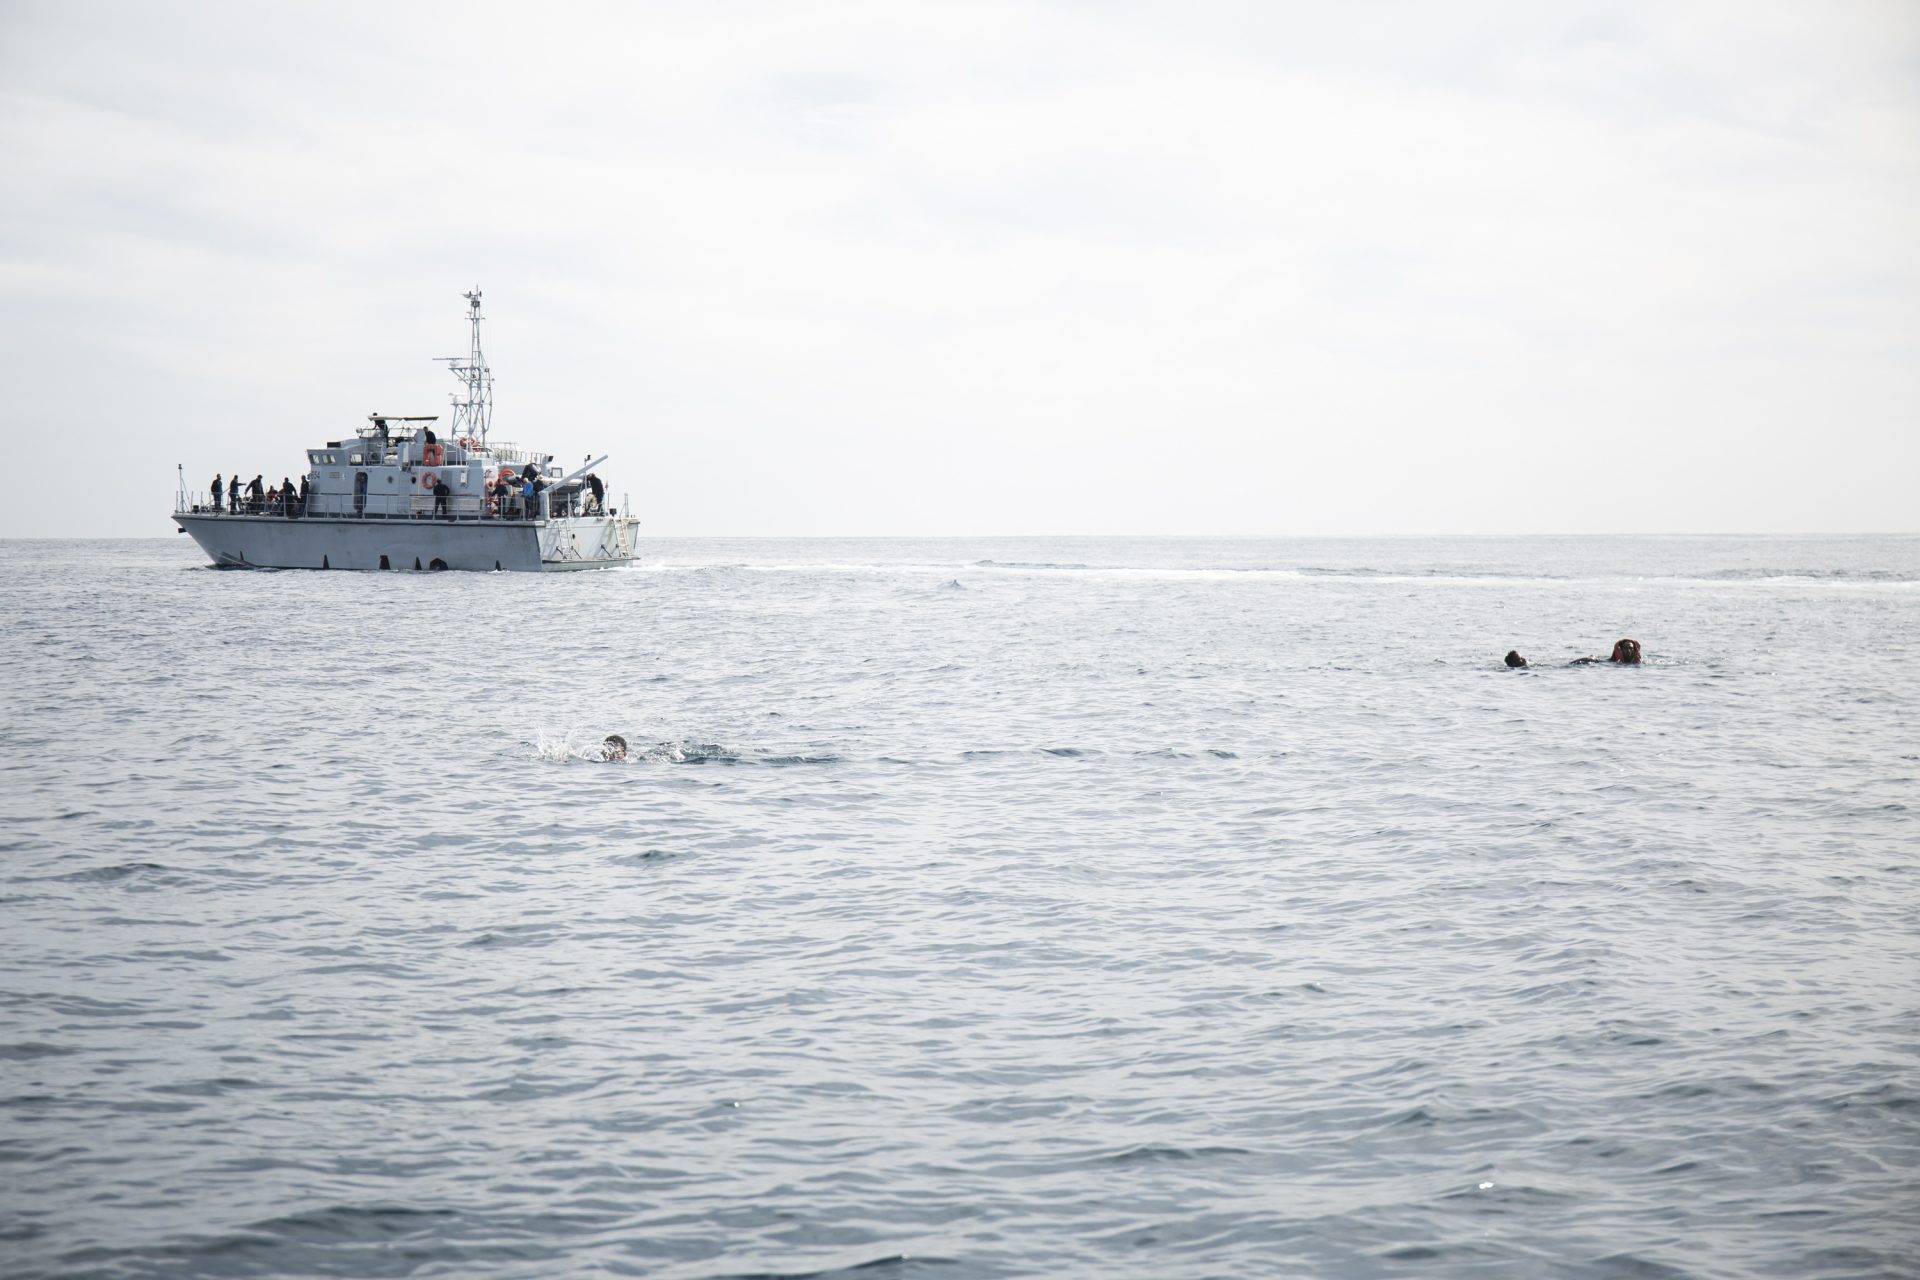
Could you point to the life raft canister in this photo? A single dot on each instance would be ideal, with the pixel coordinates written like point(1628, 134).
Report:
point(434, 455)
point(429, 480)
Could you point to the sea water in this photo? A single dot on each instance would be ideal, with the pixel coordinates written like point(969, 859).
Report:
point(1078, 907)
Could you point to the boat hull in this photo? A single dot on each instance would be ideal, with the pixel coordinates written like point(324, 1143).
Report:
point(275, 542)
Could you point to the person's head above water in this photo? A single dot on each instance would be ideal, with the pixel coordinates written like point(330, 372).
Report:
point(614, 748)
point(1514, 659)
point(1627, 651)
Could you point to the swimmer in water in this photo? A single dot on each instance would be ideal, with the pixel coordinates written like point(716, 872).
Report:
point(1625, 652)
point(614, 748)
point(1514, 659)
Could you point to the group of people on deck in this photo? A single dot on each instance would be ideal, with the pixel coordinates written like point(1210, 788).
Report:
point(511, 496)
point(255, 499)
point(517, 496)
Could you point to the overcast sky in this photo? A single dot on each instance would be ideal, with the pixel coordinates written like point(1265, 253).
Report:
point(975, 268)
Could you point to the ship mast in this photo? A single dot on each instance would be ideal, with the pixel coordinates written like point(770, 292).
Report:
point(473, 403)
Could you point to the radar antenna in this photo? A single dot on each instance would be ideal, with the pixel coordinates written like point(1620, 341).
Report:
point(473, 403)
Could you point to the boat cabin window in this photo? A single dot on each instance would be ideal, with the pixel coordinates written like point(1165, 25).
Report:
point(355, 459)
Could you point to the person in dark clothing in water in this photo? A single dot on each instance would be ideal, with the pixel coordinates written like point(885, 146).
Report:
point(440, 495)
point(219, 492)
point(1625, 652)
point(614, 748)
point(1514, 659)
point(233, 494)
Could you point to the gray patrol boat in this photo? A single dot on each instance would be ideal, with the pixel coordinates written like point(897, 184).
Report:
point(400, 496)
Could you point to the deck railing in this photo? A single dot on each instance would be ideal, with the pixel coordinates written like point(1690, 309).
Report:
point(460, 508)
point(335, 506)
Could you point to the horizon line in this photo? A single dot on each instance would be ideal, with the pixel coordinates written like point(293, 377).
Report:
point(1192, 537)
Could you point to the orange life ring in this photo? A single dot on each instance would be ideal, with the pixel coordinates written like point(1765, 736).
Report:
point(434, 455)
point(429, 480)
point(506, 473)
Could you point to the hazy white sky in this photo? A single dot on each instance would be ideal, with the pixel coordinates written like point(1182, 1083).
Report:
point(927, 268)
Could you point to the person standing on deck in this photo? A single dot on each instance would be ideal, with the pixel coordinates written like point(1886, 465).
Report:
point(256, 496)
point(599, 494)
point(233, 494)
point(440, 495)
point(536, 485)
point(303, 495)
point(218, 492)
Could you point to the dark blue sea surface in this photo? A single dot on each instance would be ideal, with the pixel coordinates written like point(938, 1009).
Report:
point(1067, 907)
